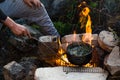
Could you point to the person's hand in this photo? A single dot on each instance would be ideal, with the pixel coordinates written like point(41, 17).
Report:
point(16, 28)
point(33, 3)
point(20, 30)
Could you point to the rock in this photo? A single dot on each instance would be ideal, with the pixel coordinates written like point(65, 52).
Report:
point(71, 38)
point(57, 73)
point(112, 62)
point(68, 39)
point(30, 66)
point(76, 38)
point(107, 40)
point(24, 44)
point(14, 71)
point(113, 78)
point(24, 70)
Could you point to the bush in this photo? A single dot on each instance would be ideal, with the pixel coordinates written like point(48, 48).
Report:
point(63, 28)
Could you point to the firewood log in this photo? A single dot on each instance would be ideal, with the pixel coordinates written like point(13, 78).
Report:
point(48, 47)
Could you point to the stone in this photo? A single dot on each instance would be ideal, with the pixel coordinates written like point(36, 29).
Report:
point(107, 40)
point(76, 38)
point(29, 63)
point(24, 70)
point(113, 78)
point(23, 44)
point(57, 73)
point(71, 38)
point(112, 61)
point(68, 39)
point(14, 71)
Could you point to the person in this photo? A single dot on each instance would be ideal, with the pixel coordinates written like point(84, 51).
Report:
point(17, 29)
point(33, 11)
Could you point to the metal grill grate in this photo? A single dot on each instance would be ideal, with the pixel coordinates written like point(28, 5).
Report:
point(84, 69)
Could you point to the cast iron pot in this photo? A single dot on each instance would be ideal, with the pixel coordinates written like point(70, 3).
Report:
point(79, 53)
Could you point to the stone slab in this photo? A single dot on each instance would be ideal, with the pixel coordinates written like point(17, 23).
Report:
point(56, 73)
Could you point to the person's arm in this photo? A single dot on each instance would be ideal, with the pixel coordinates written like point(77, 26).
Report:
point(2, 16)
point(33, 3)
point(16, 28)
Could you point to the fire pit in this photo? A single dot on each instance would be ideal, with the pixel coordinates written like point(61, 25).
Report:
point(79, 53)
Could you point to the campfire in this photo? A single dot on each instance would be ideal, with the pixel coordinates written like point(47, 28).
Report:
point(86, 38)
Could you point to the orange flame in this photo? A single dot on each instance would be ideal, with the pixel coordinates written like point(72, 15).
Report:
point(74, 36)
point(90, 64)
point(87, 37)
point(61, 51)
point(62, 61)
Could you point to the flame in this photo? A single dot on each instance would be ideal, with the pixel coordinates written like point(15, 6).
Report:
point(61, 51)
point(74, 36)
point(90, 64)
point(85, 11)
point(63, 57)
point(84, 14)
point(62, 61)
point(87, 38)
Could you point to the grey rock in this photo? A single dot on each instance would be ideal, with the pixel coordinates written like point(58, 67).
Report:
point(112, 62)
point(24, 44)
point(29, 63)
point(14, 71)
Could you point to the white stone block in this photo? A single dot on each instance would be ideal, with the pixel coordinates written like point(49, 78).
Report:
point(56, 73)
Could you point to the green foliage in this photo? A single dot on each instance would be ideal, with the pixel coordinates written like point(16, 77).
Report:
point(93, 4)
point(64, 23)
point(63, 28)
point(35, 26)
point(99, 14)
point(69, 11)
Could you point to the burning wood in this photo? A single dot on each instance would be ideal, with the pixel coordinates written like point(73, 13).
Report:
point(62, 61)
